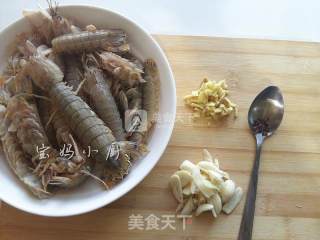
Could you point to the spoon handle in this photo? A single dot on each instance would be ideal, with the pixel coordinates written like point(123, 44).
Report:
point(245, 231)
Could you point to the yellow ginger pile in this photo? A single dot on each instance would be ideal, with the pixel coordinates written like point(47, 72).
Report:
point(210, 101)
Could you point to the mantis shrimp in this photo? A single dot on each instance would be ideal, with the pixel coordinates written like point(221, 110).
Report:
point(15, 156)
point(102, 100)
point(84, 123)
point(113, 40)
point(151, 90)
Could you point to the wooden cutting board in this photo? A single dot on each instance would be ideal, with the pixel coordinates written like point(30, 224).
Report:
point(288, 201)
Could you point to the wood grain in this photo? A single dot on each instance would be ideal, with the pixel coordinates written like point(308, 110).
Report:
point(288, 197)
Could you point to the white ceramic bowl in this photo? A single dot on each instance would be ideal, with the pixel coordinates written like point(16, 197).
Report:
point(90, 195)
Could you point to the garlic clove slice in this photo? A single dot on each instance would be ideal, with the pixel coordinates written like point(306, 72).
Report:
point(185, 177)
point(234, 201)
point(180, 207)
point(187, 190)
point(227, 189)
point(203, 208)
point(215, 200)
point(188, 207)
point(213, 211)
point(209, 166)
point(215, 178)
point(205, 186)
point(188, 166)
point(176, 187)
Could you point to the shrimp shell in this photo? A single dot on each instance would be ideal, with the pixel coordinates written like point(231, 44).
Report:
point(109, 40)
point(121, 68)
point(17, 162)
point(151, 91)
point(103, 102)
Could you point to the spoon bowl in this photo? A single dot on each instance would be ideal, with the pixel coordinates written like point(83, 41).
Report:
point(268, 107)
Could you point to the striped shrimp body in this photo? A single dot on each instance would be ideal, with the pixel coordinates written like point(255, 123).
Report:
point(83, 122)
point(88, 128)
point(109, 40)
point(121, 68)
point(102, 101)
point(151, 91)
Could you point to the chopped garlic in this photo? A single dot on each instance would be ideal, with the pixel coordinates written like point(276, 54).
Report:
point(204, 187)
point(210, 100)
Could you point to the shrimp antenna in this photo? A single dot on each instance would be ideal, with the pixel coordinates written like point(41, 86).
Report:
point(53, 7)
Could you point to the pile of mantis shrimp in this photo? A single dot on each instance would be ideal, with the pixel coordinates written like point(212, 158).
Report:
point(67, 86)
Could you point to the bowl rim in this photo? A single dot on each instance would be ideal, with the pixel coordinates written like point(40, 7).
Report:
point(166, 140)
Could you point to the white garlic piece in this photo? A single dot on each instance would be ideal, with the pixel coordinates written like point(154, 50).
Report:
point(227, 190)
point(188, 207)
point(205, 186)
point(234, 201)
point(215, 200)
point(187, 165)
point(203, 208)
point(176, 187)
point(185, 177)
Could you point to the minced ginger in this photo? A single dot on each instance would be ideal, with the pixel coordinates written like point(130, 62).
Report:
point(210, 101)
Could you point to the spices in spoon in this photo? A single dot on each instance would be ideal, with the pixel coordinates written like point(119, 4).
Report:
point(261, 126)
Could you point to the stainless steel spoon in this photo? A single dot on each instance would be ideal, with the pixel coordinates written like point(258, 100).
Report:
point(264, 117)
